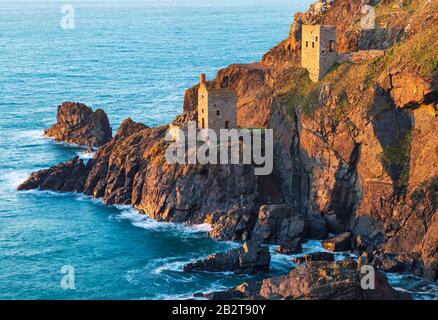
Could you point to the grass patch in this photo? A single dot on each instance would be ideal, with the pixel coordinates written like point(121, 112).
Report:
point(420, 51)
point(399, 155)
point(300, 92)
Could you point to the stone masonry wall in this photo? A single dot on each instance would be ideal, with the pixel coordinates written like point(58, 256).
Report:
point(222, 111)
point(310, 50)
point(327, 58)
point(203, 107)
point(316, 56)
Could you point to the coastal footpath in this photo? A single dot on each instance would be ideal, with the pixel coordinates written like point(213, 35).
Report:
point(355, 153)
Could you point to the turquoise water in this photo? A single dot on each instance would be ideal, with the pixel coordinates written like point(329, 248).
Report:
point(133, 60)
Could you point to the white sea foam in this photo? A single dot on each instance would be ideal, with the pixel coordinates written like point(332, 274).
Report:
point(165, 297)
point(96, 201)
point(284, 262)
point(86, 155)
point(214, 287)
point(420, 288)
point(12, 179)
point(168, 265)
point(142, 221)
point(30, 135)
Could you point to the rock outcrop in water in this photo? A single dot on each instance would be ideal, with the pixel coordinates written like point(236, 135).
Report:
point(315, 256)
point(355, 152)
point(290, 247)
point(341, 242)
point(252, 258)
point(320, 280)
point(78, 124)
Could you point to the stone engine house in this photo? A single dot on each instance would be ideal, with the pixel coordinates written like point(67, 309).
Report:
point(217, 108)
point(318, 49)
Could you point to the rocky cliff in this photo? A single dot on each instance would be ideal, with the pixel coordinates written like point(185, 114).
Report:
point(354, 152)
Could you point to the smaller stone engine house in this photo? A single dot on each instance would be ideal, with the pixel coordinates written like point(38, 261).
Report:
point(217, 108)
point(318, 53)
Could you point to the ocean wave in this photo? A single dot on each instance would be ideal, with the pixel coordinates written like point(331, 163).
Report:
point(47, 193)
point(313, 246)
point(420, 288)
point(30, 135)
point(214, 287)
point(283, 262)
point(97, 201)
point(168, 264)
point(166, 297)
point(68, 144)
point(142, 221)
point(12, 179)
point(86, 155)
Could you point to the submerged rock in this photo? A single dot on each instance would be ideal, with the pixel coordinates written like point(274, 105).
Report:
point(78, 124)
point(252, 258)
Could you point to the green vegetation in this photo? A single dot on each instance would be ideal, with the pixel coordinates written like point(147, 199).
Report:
point(429, 186)
point(301, 92)
point(399, 155)
point(395, 14)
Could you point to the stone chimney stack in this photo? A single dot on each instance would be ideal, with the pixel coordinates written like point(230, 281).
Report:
point(202, 79)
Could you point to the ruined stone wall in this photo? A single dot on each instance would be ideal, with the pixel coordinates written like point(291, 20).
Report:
point(328, 55)
point(203, 107)
point(318, 56)
point(222, 111)
point(310, 50)
point(365, 55)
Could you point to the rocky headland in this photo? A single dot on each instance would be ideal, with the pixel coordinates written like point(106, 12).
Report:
point(355, 154)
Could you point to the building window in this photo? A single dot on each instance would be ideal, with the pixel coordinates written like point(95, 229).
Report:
point(307, 44)
point(218, 113)
point(331, 46)
point(323, 51)
point(313, 44)
point(203, 123)
point(202, 96)
point(316, 38)
point(227, 124)
point(202, 110)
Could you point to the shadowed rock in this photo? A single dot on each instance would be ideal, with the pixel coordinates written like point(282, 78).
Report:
point(290, 247)
point(316, 256)
point(252, 258)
